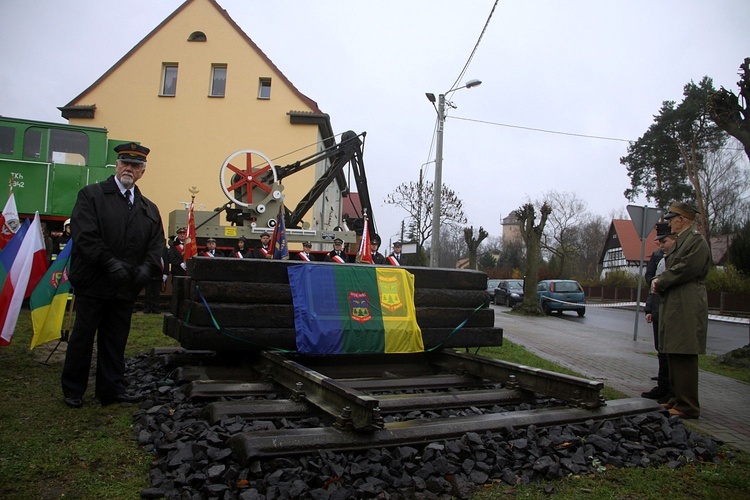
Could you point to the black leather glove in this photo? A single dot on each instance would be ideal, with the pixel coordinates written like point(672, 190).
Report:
point(117, 270)
point(142, 275)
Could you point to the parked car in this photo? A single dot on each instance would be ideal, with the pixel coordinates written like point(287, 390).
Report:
point(508, 292)
point(561, 295)
point(491, 284)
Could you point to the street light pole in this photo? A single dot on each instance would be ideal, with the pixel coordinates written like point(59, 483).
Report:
point(437, 187)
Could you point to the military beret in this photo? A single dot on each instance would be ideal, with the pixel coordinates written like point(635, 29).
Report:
point(131, 152)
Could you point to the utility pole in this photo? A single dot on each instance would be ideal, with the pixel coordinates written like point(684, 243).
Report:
point(437, 187)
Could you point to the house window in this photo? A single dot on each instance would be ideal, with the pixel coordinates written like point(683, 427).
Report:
point(169, 80)
point(197, 36)
point(218, 81)
point(264, 88)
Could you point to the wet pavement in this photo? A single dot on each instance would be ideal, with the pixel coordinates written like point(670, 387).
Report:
point(601, 348)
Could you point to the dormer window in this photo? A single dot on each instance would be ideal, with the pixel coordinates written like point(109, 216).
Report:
point(197, 36)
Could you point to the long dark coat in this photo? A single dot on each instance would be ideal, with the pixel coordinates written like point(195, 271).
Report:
point(103, 227)
point(683, 312)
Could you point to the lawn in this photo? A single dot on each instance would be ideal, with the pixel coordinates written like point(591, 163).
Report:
point(50, 451)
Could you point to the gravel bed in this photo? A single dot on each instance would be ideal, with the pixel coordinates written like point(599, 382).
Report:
point(191, 460)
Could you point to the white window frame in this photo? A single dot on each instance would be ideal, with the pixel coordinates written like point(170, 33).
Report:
point(214, 92)
point(264, 88)
point(165, 77)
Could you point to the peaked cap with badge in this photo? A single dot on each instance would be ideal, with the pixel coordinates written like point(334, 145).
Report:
point(130, 152)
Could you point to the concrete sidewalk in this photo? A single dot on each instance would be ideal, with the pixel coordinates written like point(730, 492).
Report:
point(628, 365)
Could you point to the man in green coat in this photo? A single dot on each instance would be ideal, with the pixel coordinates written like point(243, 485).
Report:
point(683, 313)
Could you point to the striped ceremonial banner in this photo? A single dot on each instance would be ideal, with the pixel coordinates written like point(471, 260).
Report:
point(354, 309)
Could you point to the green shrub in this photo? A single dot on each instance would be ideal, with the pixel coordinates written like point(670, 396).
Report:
point(620, 278)
point(727, 279)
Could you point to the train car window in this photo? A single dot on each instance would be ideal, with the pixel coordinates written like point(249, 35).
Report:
point(7, 137)
point(32, 143)
point(70, 147)
point(169, 80)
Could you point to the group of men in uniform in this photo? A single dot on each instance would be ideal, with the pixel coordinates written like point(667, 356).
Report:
point(394, 259)
point(175, 255)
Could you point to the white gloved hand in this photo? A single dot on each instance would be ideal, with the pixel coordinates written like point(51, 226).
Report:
point(163, 278)
point(183, 266)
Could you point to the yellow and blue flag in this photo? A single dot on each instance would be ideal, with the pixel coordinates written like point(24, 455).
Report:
point(354, 309)
point(49, 299)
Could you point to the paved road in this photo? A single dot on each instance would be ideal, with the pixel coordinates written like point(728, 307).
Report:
point(610, 354)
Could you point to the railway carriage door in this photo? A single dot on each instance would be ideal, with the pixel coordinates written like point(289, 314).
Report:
point(68, 155)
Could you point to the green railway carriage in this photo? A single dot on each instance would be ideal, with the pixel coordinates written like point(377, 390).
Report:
point(48, 163)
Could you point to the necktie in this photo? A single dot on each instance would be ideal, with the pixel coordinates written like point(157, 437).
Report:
point(128, 195)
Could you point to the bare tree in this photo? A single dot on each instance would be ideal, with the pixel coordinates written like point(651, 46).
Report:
point(416, 198)
point(532, 237)
point(589, 237)
point(559, 238)
point(473, 243)
point(726, 188)
point(452, 245)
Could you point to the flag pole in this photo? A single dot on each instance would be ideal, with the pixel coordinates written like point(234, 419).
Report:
point(65, 333)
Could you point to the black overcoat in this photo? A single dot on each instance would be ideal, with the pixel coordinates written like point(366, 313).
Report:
point(103, 227)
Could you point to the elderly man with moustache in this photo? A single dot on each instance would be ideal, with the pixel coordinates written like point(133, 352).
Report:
point(683, 313)
point(118, 242)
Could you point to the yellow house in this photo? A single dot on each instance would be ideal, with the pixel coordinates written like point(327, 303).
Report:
point(196, 90)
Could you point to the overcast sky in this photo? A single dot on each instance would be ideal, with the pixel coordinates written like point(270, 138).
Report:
point(591, 68)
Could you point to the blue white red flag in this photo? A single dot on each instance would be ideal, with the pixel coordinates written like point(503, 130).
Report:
point(23, 262)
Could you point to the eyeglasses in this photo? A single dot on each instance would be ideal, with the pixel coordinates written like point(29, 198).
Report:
point(133, 166)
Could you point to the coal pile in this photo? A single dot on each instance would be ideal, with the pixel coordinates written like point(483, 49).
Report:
point(191, 460)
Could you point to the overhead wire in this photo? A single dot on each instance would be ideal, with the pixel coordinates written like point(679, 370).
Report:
point(540, 129)
point(474, 51)
point(460, 76)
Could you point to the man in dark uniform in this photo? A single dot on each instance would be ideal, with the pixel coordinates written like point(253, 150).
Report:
point(377, 257)
point(683, 314)
point(337, 254)
point(397, 258)
point(176, 254)
point(118, 240)
point(210, 250)
point(661, 391)
point(263, 250)
point(305, 254)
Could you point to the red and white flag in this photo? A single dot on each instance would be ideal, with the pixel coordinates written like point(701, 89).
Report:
point(24, 262)
point(364, 255)
point(9, 222)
